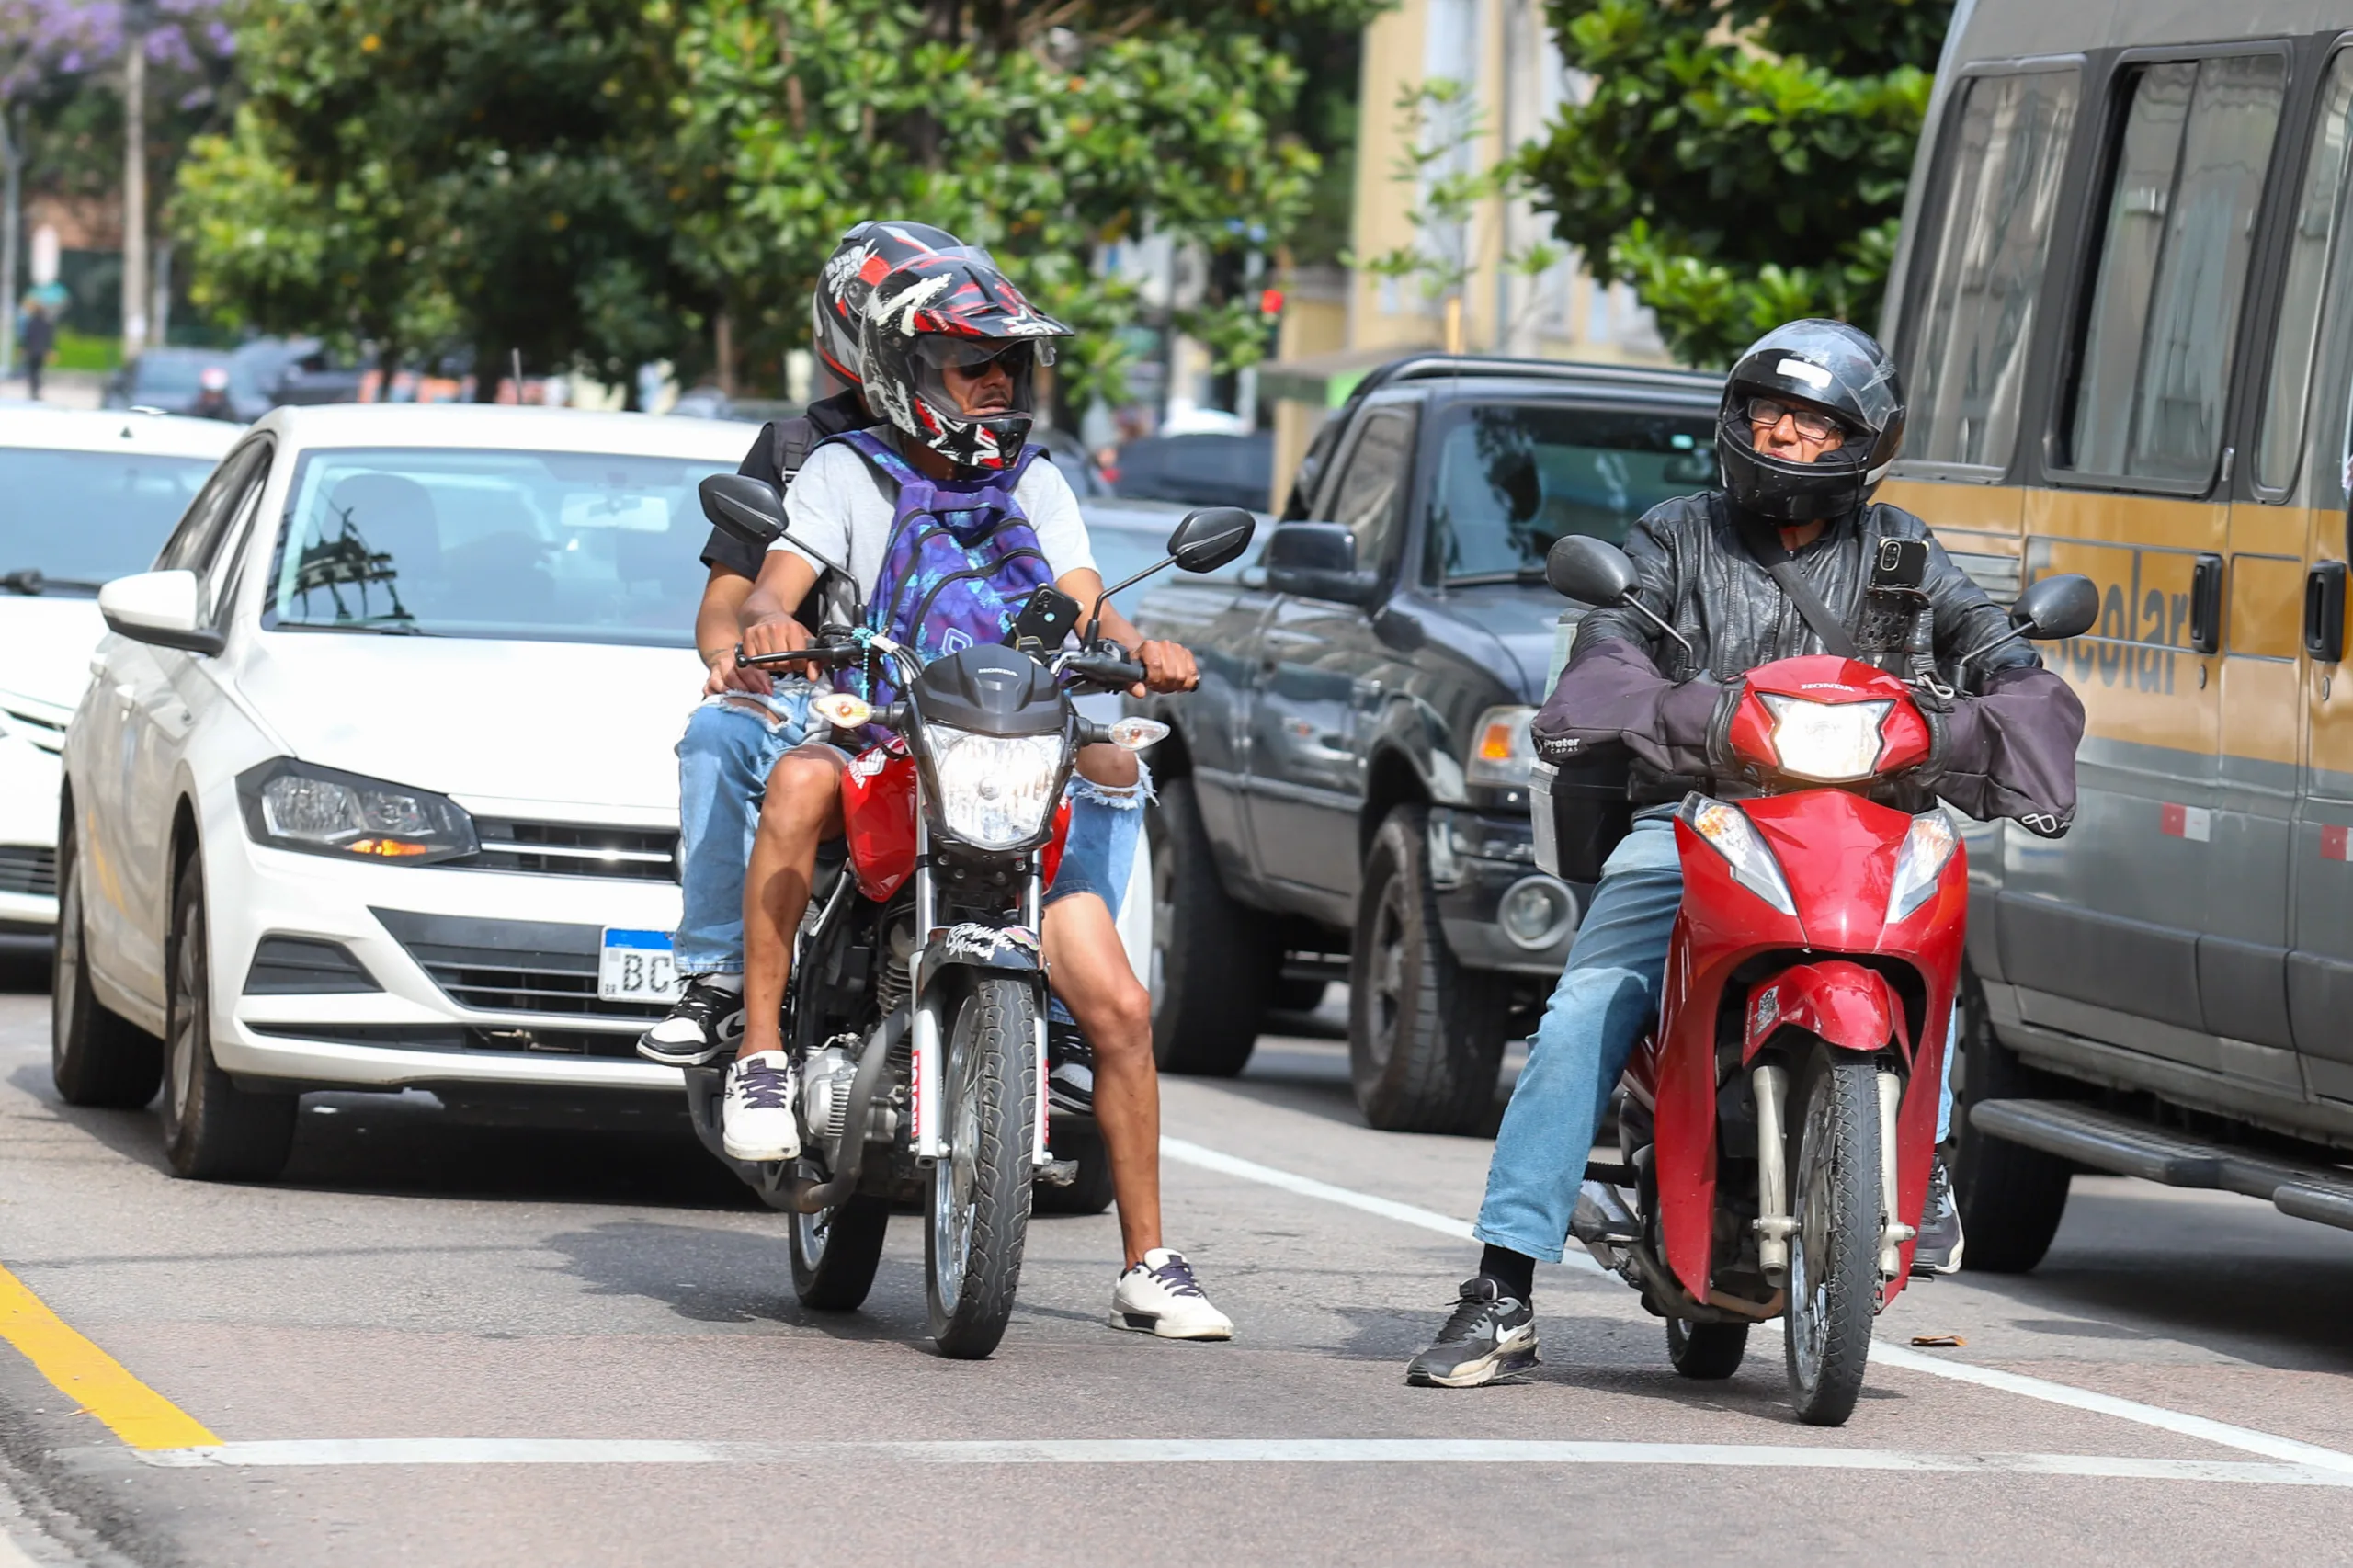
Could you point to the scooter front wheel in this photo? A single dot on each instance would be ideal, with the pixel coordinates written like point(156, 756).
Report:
point(1834, 1265)
point(979, 1215)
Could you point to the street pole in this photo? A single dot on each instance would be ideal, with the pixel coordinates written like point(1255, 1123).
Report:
point(12, 156)
point(137, 17)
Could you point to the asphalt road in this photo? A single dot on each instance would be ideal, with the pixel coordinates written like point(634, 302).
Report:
point(453, 1344)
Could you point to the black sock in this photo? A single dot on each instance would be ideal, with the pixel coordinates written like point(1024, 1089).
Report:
point(1513, 1272)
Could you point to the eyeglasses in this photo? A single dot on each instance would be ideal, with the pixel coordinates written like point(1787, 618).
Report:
point(1811, 424)
point(973, 356)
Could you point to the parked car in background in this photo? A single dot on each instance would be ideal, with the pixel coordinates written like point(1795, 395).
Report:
point(376, 787)
point(276, 372)
point(91, 497)
point(710, 402)
point(1206, 469)
point(172, 380)
point(1347, 790)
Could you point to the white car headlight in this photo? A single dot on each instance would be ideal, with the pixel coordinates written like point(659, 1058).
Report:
point(995, 790)
point(1830, 743)
point(1921, 863)
point(324, 811)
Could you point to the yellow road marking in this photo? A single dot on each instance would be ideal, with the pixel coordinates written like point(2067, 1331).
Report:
point(138, 1415)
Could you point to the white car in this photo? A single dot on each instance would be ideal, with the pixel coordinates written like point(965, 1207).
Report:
point(376, 784)
point(84, 497)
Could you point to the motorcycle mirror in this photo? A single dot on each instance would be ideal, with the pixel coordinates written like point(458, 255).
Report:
point(1589, 570)
point(1210, 537)
point(2054, 608)
point(748, 508)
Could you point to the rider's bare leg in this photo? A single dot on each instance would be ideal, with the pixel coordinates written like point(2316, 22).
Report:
point(1096, 982)
point(1113, 766)
point(804, 807)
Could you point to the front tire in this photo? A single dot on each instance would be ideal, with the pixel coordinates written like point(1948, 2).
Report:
point(213, 1129)
point(96, 1058)
point(1834, 1258)
point(1214, 961)
point(979, 1214)
point(835, 1254)
point(1426, 1035)
point(2011, 1198)
point(1706, 1351)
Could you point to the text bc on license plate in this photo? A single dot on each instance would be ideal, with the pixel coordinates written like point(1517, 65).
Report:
point(636, 966)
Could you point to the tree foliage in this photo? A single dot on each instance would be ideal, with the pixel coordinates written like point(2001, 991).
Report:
point(1739, 161)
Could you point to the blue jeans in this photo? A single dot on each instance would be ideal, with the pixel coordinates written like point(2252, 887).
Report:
point(1607, 995)
point(731, 745)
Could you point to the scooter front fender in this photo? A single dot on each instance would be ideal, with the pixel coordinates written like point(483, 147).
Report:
point(1846, 1005)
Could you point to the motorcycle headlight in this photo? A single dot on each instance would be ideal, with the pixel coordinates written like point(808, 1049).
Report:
point(1730, 833)
point(995, 790)
point(1830, 743)
point(323, 810)
point(1921, 862)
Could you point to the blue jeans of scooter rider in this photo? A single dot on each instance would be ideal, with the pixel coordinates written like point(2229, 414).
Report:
point(1607, 994)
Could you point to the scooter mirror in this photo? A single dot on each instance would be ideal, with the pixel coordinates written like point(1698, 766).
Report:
point(1212, 538)
point(1588, 570)
point(2054, 608)
point(748, 508)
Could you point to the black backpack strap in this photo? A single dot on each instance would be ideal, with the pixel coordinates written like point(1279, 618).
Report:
point(1764, 541)
point(794, 438)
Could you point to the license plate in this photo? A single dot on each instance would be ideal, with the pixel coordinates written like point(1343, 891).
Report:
point(636, 966)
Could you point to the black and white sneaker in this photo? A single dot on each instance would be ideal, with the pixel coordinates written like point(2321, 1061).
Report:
point(1159, 1296)
point(756, 1120)
point(1069, 1067)
point(1488, 1335)
point(1939, 1249)
point(705, 1023)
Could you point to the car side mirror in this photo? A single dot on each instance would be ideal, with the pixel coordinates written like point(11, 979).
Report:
point(746, 509)
point(1318, 561)
point(165, 609)
point(1589, 570)
point(1212, 538)
point(2055, 609)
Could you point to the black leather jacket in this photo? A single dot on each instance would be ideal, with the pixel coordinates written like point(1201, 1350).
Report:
point(2007, 751)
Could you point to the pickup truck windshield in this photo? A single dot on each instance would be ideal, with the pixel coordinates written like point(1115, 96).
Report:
point(1512, 478)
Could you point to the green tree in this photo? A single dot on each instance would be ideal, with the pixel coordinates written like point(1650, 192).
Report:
point(1739, 161)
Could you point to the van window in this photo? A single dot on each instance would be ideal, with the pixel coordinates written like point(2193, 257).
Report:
point(2164, 309)
point(2319, 208)
point(2007, 152)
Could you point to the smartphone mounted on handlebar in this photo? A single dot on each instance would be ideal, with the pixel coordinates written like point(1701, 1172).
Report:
point(1044, 622)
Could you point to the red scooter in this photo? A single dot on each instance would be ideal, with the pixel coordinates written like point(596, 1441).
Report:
point(1779, 1125)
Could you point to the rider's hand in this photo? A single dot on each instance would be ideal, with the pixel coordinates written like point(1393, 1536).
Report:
point(1167, 667)
point(724, 675)
point(783, 634)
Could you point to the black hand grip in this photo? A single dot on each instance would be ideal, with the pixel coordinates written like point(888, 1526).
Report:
point(817, 653)
point(2325, 612)
point(1097, 669)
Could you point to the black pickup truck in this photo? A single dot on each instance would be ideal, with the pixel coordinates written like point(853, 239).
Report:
point(1347, 793)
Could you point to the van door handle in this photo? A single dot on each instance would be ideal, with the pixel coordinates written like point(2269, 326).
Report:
point(2325, 612)
point(2206, 605)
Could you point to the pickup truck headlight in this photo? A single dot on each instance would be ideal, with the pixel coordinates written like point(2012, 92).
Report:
point(995, 791)
point(324, 811)
point(1502, 749)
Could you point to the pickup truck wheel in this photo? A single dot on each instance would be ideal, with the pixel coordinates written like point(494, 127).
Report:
point(1213, 963)
point(2011, 1198)
point(1426, 1035)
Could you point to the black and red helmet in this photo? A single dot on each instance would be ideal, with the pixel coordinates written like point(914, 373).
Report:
point(954, 308)
point(864, 255)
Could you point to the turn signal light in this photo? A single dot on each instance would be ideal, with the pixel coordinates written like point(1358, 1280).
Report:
point(841, 710)
point(1134, 734)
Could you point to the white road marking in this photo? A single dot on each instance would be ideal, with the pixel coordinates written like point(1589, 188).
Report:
point(2246, 1439)
point(1216, 1450)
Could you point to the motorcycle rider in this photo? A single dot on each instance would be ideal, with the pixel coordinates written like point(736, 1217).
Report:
point(1812, 416)
point(949, 349)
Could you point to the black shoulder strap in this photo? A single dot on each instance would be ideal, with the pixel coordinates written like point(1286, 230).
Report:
point(1764, 541)
point(794, 438)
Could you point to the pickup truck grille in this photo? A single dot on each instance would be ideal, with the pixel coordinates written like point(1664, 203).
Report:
point(576, 849)
point(511, 966)
point(23, 869)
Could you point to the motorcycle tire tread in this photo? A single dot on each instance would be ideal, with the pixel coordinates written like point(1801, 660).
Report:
point(1003, 1009)
point(1852, 1083)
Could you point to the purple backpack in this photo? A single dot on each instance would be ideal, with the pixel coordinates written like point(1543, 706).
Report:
point(961, 562)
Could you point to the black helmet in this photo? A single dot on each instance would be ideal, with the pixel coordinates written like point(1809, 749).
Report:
point(864, 255)
point(953, 308)
point(1838, 368)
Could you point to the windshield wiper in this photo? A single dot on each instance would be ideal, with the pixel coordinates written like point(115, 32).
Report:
point(1483, 579)
point(30, 581)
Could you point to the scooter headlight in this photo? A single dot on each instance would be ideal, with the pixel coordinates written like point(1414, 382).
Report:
point(1920, 864)
point(1828, 742)
point(1730, 833)
point(995, 790)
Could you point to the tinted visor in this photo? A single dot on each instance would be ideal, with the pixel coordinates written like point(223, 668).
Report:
point(1020, 356)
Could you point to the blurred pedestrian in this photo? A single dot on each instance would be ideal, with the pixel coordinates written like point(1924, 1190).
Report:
point(39, 337)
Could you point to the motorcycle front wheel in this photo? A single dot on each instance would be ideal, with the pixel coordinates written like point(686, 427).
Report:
point(979, 1214)
point(1834, 1265)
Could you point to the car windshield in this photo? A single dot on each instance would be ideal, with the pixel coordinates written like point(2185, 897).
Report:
point(1512, 478)
point(88, 517)
point(570, 547)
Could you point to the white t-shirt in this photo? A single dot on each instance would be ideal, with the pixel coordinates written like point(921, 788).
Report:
point(835, 506)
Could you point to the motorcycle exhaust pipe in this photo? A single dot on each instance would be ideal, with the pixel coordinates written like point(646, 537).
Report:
point(1774, 1225)
point(1894, 1232)
point(807, 1196)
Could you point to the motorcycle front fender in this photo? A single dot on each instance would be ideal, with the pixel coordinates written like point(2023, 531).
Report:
point(1846, 1005)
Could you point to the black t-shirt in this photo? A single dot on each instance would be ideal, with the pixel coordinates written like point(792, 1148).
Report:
point(829, 416)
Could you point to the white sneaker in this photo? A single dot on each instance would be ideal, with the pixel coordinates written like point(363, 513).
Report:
point(1159, 1296)
point(755, 1115)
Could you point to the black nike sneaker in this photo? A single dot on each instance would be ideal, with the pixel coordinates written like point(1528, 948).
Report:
point(705, 1023)
point(1939, 1249)
point(1488, 1335)
point(1070, 1066)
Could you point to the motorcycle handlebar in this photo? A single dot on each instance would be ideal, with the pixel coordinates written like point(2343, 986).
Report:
point(1101, 669)
point(844, 652)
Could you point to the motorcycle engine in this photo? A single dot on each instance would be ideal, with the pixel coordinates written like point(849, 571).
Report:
point(824, 1096)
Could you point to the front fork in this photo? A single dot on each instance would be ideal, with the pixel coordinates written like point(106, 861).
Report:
point(926, 1092)
point(1775, 1223)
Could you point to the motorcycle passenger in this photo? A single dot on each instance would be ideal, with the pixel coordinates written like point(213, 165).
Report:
point(949, 350)
point(1812, 416)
